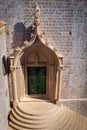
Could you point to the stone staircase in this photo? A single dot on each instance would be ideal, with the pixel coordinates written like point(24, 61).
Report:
point(44, 116)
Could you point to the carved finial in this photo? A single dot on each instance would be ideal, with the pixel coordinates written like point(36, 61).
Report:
point(17, 49)
point(37, 15)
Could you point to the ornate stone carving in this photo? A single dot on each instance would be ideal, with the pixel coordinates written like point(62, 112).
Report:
point(44, 55)
point(37, 15)
point(55, 49)
point(17, 49)
point(26, 43)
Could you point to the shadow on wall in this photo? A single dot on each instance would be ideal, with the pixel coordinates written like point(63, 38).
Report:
point(4, 65)
point(21, 33)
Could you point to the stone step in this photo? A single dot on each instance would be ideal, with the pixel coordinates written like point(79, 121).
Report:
point(73, 121)
point(61, 118)
point(82, 122)
point(70, 123)
point(15, 127)
point(35, 125)
point(27, 117)
point(27, 125)
point(37, 108)
point(31, 124)
point(65, 121)
point(35, 119)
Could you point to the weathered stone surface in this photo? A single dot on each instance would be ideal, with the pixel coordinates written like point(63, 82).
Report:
point(4, 100)
point(45, 116)
point(65, 26)
point(79, 106)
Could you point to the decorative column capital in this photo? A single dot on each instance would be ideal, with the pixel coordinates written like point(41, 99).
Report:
point(12, 68)
point(60, 67)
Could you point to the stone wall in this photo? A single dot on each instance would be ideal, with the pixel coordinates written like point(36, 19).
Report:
point(4, 96)
point(64, 23)
point(79, 106)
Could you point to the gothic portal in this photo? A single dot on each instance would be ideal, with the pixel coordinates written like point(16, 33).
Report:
point(36, 67)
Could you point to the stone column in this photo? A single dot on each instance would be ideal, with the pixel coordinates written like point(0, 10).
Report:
point(59, 82)
point(56, 91)
point(13, 75)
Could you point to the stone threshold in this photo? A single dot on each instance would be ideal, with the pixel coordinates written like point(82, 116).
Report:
point(35, 98)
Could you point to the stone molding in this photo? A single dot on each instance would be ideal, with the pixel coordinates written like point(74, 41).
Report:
point(52, 60)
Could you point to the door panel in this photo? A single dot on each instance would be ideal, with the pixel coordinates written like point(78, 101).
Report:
point(36, 80)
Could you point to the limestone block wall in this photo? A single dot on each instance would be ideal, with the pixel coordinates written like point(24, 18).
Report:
point(79, 106)
point(4, 96)
point(64, 24)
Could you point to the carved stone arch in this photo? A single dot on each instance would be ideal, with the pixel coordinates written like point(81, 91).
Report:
point(34, 46)
point(36, 53)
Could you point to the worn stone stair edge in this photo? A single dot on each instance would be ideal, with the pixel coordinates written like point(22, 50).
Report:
point(65, 120)
point(43, 121)
point(76, 114)
point(14, 127)
point(27, 126)
point(56, 107)
point(38, 122)
point(31, 117)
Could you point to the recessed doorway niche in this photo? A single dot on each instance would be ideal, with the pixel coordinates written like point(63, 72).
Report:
point(36, 68)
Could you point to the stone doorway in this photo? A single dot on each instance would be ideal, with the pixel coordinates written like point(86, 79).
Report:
point(36, 72)
point(36, 77)
point(36, 52)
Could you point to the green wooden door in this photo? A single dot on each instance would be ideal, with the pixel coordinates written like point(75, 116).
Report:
point(36, 80)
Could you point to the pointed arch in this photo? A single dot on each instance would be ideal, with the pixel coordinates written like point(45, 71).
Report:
point(36, 53)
